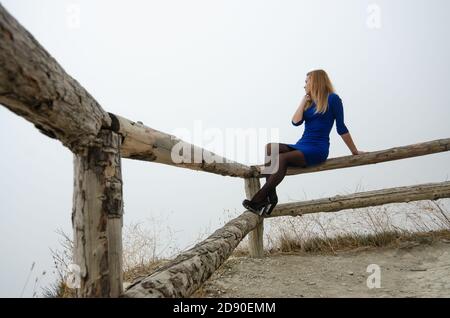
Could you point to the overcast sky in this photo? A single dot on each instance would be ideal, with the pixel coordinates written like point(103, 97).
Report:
point(224, 65)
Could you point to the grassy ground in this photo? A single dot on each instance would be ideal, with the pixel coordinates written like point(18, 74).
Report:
point(341, 243)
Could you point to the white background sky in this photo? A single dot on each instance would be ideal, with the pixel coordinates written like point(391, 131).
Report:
point(228, 64)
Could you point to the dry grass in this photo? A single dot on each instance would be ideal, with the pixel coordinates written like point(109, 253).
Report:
point(62, 258)
point(143, 252)
point(142, 270)
point(351, 242)
point(286, 243)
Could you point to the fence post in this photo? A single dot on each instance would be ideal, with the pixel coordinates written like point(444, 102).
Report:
point(97, 217)
point(255, 238)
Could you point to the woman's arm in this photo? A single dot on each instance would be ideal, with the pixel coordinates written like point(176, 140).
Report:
point(341, 128)
point(297, 119)
point(349, 142)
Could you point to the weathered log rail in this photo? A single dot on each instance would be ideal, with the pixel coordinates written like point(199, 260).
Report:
point(144, 143)
point(189, 270)
point(426, 191)
point(34, 86)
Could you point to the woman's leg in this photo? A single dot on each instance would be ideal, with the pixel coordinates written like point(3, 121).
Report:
point(285, 159)
point(271, 148)
point(275, 149)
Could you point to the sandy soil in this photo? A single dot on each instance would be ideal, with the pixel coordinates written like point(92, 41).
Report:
point(411, 270)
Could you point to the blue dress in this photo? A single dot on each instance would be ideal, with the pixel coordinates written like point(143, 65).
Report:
point(315, 141)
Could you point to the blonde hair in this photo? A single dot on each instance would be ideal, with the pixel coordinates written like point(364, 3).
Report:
point(321, 87)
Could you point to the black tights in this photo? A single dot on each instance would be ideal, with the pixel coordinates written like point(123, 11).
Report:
point(286, 156)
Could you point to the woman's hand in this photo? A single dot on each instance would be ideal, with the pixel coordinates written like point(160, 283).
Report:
point(359, 152)
point(308, 97)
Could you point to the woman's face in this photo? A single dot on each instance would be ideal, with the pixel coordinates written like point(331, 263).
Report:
point(307, 86)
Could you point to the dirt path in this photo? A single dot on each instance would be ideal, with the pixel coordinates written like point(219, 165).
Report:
point(411, 270)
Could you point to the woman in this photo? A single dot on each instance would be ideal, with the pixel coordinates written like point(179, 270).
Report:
point(319, 109)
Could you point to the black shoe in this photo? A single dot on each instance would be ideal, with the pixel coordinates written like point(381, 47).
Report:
point(257, 208)
point(273, 201)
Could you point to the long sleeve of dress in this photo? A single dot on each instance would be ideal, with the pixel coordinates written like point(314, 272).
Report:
point(338, 111)
point(299, 123)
